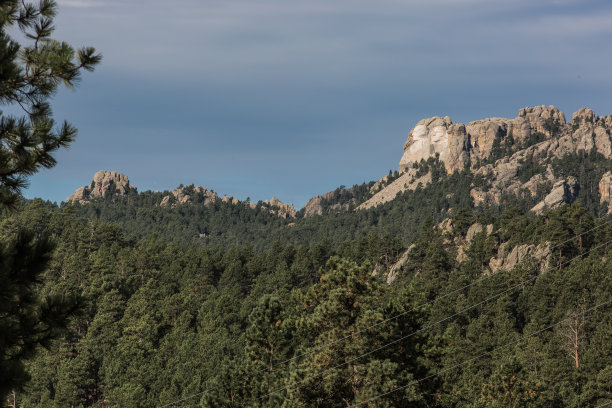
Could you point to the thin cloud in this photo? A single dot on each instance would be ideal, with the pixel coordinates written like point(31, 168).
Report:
point(81, 4)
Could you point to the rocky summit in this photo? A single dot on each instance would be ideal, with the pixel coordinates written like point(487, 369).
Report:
point(116, 185)
point(499, 148)
point(104, 183)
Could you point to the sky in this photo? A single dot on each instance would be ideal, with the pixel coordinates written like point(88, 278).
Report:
point(293, 98)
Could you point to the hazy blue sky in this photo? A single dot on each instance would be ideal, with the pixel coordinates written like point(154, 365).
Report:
point(293, 98)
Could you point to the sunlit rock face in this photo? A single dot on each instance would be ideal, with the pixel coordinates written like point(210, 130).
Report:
point(605, 190)
point(499, 148)
point(104, 183)
point(458, 145)
point(437, 136)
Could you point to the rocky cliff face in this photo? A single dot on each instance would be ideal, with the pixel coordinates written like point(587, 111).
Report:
point(500, 148)
point(459, 145)
point(104, 183)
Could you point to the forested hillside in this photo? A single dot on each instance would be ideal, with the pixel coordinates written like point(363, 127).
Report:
point(188, 325)
point(221, 223)
point(478, 274)
point(476, 287)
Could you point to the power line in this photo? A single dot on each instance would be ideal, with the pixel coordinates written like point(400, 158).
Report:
point(482, 355)
point(604, 405)
point(322, 347)
point(420, 330)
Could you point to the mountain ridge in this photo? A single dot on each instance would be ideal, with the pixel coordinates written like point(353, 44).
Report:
point(532, 157)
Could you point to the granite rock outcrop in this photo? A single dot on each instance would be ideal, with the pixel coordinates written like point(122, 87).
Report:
point(281, 209)
point(104, 183)
point(188, 195)
point(501, 149)
point(605, 190)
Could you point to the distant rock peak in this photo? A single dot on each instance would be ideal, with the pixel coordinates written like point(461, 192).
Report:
point(110, 183)
point(104, 183)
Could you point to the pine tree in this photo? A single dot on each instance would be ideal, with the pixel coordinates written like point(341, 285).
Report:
point(350, 358)
point(30, 75)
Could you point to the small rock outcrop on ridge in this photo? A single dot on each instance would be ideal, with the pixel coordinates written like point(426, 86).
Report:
point(104, 183)
point(281, 209)
point(188, 195)
point(318, 205)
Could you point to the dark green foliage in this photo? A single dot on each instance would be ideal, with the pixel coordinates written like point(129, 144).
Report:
point(588, 168)
point(163, 322)
point(503, 145)
point(26, 320)
point(532, 139)
point(30, 75)
point(529, 169)
point(350, 197)
point(552, 126)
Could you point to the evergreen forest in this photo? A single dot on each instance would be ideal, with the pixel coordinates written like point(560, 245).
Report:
point(427, 300)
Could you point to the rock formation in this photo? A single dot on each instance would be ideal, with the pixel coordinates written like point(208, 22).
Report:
point(459, 145)
point(605, 190)
point(281, 209)
point(188, 195)
point(536, 136)
point(507, 260)
point(232, 200)
point(407, 181)
point(104, 183)
point(318, 205)
point(437, 136)
point(562, 192)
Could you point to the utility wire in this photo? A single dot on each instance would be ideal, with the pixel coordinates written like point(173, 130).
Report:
point(324, 346)
point(604, 405)
point(520, 284)
point(482, 355)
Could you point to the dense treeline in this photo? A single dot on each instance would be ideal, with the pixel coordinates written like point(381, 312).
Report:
point(221, 224)
point(310, 325)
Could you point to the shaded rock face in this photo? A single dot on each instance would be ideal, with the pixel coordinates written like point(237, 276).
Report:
point(104, 183)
